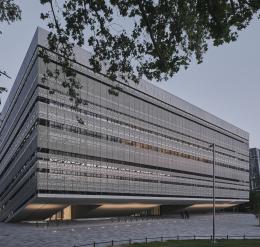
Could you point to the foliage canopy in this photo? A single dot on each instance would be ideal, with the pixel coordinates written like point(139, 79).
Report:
point(137, 38)
point(151, 38)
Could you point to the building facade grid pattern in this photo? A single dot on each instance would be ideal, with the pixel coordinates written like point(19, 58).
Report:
point(127, 145)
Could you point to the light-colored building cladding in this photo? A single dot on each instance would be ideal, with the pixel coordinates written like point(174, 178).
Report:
point(142, 146)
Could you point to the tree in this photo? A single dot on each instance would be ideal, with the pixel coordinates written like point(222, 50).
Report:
point(9, 12)
point(151, 38)
point(142, 38)
point(255, 203)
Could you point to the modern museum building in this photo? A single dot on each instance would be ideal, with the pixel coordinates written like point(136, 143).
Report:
point(141, 150)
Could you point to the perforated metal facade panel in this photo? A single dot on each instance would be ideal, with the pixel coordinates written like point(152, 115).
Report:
point(143, 144)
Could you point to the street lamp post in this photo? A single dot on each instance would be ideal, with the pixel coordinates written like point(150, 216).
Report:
point(214, 206)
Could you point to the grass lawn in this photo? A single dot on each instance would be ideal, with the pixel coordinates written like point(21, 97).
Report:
point(201, 243)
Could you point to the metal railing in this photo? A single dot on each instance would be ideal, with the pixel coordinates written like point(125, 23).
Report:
point(165, 238)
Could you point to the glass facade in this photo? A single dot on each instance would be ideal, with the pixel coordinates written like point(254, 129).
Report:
point(254, 165)
point(142, 145)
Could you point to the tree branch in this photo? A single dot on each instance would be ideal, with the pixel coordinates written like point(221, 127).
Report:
point(5, 74)
point(54, 17)
point(149, 27)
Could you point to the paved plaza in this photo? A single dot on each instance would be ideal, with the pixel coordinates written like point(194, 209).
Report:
point(67, 235)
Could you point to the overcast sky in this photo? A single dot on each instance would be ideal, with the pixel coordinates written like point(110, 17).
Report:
point(227, 84)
